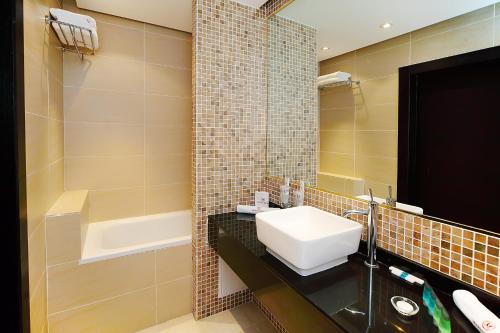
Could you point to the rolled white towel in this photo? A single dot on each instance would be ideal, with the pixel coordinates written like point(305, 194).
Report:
point(253, 209)
point(64, 34)
point(333, 78)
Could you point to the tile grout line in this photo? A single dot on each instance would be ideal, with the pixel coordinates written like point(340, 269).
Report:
point(100, 301)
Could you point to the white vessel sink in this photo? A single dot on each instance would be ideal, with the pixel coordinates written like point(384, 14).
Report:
point(307, 239)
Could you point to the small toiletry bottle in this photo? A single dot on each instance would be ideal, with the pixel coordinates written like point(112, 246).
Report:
point(299, 195)
point(285, 192)
point(431, 303)
point(426, 294)
point(261, 199)
point(438, 310)
point(444, 323)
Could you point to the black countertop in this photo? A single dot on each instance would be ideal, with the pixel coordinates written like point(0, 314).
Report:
point(353, 296)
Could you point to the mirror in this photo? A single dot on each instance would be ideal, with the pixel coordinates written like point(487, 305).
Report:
point(362, 125)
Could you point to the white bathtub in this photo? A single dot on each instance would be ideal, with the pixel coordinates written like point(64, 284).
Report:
point(115, 238)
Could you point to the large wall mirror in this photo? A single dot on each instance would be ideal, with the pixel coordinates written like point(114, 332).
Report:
point(407, 100)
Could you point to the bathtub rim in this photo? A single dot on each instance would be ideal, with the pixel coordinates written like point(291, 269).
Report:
point(131, 250)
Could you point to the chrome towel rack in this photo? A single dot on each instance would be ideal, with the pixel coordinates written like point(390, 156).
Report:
point(79, 46)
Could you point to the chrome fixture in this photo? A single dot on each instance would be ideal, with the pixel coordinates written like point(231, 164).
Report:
point(372, 213)
point(390, 201)
point(79, 45)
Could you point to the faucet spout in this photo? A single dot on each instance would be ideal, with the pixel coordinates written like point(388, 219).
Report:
point(372, 213)
point(348, 213)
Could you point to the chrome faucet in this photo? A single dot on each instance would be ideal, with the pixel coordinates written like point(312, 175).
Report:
point(390, 201)
point(372, 213)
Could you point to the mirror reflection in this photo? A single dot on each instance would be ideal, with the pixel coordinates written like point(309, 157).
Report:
point(394, 112)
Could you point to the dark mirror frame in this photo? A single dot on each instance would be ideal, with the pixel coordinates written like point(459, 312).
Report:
point(13, 171)
point(408, 81)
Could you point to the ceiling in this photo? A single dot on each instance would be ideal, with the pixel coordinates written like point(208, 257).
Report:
point(175, 14)
point(345, 26)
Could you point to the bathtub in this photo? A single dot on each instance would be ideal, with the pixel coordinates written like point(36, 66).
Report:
point(115, 238)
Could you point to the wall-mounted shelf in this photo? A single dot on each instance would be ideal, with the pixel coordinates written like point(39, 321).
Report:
point(339, 84)
point(72, 37)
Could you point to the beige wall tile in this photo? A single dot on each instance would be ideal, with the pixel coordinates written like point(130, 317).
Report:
point(34, 28)
point(384, 45)
point(37, 192)
point(69, 202)
point(174, 299)
point(374, 143)
point(383, 63)
point(172, 168)
point(36, 87)
point(162, 140)
point(36, 257)
point(151, 28)
point(330, 182)
point(55, 56)
point(56, 180)
point(472, 37)
point(38, 308)
point(337, 163)
point(63, 238)
point(341, 59)
point(95, 173)
point(115, 204)
point(72, 285)
point(454, 23)
point(103, 18)
point(124, 314)
point(103, 139)
point(336, 119)
point(92, 105)
point(164, 50)
point(354, 187)
point(377, 117)
point(169, 111)
point(130, 44)
point(102, 72)
point(337, 142)
point(56, 140)
point(331, 67)
point(340, 97)
point(37, 141)
point(168, 198)
point(55, 98)
point(378, 169)
point(168, 81)
point(173, 263)
point(378, 91)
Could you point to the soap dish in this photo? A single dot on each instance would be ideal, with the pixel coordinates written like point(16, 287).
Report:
point(404, 306)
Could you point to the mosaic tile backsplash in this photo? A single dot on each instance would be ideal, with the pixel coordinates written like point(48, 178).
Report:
point(470, 256)
point(293, 115)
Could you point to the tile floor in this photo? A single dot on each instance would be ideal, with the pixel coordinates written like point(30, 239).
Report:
point(246, 318)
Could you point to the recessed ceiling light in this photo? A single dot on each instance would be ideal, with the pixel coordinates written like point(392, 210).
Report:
point(325, 48)
point(386, 25)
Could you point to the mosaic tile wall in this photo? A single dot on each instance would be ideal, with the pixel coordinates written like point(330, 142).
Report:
point(229, 132)
point(293, 114)
point(466, 255)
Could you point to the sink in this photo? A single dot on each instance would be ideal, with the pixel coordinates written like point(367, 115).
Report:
point(307, 239)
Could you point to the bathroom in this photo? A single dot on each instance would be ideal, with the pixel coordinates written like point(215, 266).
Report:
point(141, 139)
